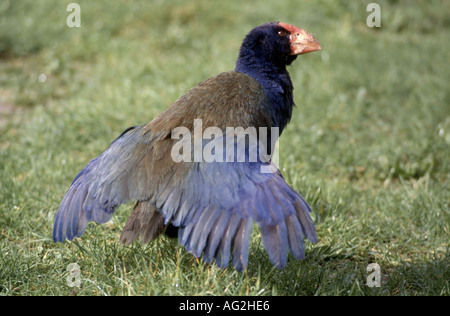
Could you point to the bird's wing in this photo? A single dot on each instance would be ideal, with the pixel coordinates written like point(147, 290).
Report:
point(218, 203)
point(128, 169)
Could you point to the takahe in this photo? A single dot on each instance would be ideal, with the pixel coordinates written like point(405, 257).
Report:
point(210, 205)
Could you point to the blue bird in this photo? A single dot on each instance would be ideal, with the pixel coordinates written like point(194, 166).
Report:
point(211, 205)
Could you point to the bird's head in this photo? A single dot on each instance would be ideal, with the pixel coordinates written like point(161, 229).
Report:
point(277, 43)
point(264, 55)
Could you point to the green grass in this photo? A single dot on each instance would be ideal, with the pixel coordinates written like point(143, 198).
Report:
point(368, 145)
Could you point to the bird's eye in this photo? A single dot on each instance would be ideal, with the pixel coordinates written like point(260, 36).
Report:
point(281, 33)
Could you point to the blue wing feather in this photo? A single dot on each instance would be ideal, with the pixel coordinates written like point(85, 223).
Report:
point(214, 204)
point(229, 198)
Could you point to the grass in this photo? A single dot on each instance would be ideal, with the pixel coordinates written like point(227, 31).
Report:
point(368, 145)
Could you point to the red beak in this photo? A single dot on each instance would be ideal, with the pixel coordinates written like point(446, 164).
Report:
point(302, 42)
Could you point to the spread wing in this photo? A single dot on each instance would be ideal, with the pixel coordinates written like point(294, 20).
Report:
point(124, 171)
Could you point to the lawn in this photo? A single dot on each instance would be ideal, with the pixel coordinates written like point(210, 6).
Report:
point(368, 145)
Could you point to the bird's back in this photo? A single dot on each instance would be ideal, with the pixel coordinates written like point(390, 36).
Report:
point(230, 99)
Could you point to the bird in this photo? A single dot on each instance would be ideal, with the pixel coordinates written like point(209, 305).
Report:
point(211, 206)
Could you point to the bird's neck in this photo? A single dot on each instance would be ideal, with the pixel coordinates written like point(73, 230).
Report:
point(277, 86)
